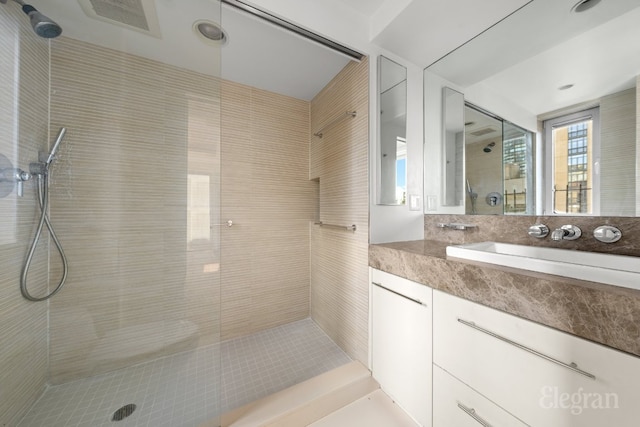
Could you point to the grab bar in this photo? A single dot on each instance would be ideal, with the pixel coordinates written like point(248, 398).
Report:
point(351, 227)
point(571, 366)
point(473, 414)
point(320, 133)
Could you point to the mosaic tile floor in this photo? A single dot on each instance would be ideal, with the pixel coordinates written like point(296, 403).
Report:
point(182, 390)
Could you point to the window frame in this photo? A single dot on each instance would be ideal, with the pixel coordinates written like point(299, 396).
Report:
point(594, 162)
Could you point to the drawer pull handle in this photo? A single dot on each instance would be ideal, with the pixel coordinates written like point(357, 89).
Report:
point(571, 366)
point(399, 294)
point(472, 413)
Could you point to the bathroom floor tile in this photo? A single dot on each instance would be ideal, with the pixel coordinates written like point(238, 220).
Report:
point(186, 389)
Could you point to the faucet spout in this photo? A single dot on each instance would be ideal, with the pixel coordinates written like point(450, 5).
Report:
point(558, 234)
point(566, 232)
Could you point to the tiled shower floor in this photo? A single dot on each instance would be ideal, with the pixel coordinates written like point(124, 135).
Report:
point(181, 390)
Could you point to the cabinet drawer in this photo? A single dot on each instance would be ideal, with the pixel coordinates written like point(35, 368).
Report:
point(402, 286)
point(456, 405)
point(540, 375)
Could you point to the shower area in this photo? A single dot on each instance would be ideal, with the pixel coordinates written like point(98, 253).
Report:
point(185, 200)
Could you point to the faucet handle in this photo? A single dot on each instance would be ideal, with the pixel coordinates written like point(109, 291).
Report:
point(607, 234)
point(567, 232)
point(538, 230)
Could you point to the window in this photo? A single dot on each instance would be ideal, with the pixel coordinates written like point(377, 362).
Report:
point(572, 144)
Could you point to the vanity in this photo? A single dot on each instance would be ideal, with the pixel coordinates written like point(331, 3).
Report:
point(512, 349)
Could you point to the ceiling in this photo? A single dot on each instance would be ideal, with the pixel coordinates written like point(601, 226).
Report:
point(261, 55)
point(257, 54)
point(364, 7)
point(530, 55)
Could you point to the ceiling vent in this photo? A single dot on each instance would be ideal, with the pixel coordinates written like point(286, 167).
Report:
point(483, 131)
point(137, 15)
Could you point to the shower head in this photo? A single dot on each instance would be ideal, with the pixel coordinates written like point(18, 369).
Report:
point(42, 25)
point(56, 145)
point(489, 146)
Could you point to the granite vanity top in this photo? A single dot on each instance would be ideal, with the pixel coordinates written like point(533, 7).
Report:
point(605, 314)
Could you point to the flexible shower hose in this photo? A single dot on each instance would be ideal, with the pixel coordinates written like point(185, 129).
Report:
point(43, 201)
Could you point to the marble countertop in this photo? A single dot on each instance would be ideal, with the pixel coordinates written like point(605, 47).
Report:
point(605, 314)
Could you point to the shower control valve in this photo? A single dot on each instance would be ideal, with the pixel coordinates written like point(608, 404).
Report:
point(15, 175)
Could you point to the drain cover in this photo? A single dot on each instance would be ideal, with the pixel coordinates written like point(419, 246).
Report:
point(123, 412)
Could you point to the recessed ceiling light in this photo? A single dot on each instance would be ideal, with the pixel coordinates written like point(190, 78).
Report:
point(565, 87)
point(210, 32)
point(584, 5)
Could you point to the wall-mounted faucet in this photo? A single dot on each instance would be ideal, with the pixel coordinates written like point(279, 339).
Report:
point(539, 231)
point(566, 232)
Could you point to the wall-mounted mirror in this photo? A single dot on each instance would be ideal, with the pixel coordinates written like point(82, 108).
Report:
point(586, 57)
point(452, 147)
point(392, 146)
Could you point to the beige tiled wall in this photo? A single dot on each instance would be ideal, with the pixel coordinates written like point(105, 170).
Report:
point(144, 276)
point(23, 131)
point(339, 259)
point(267, 193)
point(618, 154)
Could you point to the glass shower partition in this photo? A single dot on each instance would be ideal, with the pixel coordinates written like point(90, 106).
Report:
point(135, 202)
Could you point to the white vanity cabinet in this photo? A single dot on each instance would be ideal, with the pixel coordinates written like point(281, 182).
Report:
point(457, 405)
point(401, 342)
point(541, 376)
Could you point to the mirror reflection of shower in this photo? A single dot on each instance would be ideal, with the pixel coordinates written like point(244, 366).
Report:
point(42, 25)
point(41, 171)
point(474, 198)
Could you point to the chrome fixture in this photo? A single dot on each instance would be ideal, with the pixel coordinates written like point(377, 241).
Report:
point(494, 199)
point(41, 171)
point(572, 366)
point(489, 147)
point(320, 133)
point(538, 231)
point(566, 232)
point(259, 13)
point(607, 234)
point(11, 177)
point(42, 25)
point(351, 227)
point(474, 198)
point(455, 225)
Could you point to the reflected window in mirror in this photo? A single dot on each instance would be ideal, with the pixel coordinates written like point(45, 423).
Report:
point(392, 146)
point(573, 163)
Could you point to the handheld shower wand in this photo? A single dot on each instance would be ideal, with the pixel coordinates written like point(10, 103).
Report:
point(41, 171)
point(473, 196)
point(42, 25)
point(54, 149)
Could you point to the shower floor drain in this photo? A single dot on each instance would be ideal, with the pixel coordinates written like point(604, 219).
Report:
point(123, 412)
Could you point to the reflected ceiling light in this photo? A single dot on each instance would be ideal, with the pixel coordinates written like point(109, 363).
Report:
point(210, 32)
point(565, 87)
point(584, 5)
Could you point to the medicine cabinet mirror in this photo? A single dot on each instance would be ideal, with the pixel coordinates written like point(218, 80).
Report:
point(392, 145)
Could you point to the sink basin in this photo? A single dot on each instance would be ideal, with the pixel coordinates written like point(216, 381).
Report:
point(618, 270)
